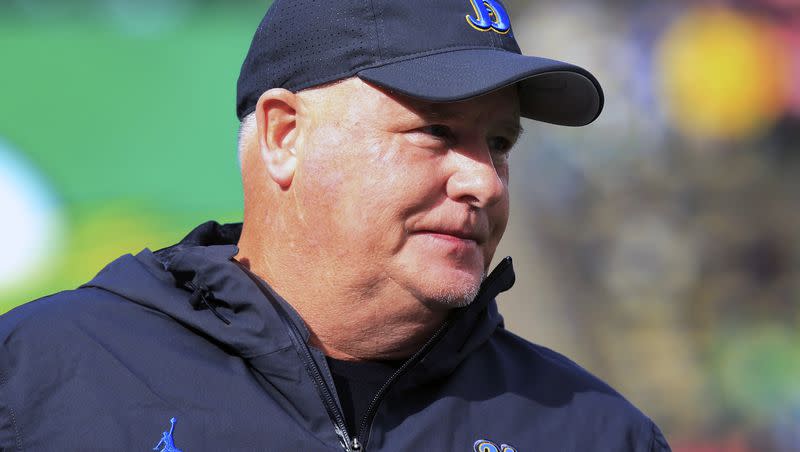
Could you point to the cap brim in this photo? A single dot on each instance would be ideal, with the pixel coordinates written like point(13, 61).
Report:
point(550, 91)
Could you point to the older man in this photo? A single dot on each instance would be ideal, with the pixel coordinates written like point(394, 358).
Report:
point(352, 310)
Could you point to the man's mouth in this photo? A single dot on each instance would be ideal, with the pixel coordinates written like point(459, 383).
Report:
point(460, 235)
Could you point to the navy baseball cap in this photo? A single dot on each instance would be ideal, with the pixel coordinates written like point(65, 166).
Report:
point(434, 50)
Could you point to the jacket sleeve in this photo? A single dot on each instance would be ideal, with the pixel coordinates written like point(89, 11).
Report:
point(657, 442)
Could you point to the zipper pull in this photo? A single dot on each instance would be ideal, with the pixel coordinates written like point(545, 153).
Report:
point(356, 445)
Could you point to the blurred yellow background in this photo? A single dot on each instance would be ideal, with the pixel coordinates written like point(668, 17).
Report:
point(658, 247)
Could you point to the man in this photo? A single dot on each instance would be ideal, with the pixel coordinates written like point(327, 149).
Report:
point(352, 310)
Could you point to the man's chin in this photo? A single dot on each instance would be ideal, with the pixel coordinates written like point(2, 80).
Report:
point(442, 281)
point(455, 289)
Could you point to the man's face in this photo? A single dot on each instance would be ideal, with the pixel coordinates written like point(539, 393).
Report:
point(406, 195)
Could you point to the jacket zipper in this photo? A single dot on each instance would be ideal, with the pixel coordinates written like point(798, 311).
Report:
point(362, 434)
point(359, 441)
point(324, 391)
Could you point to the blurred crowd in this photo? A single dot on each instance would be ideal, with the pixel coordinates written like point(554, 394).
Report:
point(666, 235)
point(657, 247)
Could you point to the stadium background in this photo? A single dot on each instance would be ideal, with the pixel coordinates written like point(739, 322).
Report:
point(658, 247)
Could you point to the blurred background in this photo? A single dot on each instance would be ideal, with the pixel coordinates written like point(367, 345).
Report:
point(657, 247)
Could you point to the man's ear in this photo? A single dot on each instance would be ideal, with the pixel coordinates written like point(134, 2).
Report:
point(276, 115)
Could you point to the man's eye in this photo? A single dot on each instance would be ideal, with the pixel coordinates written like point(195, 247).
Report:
point(500, 145)
point(438, 131)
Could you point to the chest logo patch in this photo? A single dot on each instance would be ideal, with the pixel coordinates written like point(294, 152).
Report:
point(167, 443)
point(483, 445)
point(489, 15)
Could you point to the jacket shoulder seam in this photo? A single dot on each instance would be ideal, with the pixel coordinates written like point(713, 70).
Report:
point(13, 416)
point(15, 426)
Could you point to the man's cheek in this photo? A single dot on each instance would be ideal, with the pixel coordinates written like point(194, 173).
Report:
point(324, 186)
point(498, 220)
point(369, 219)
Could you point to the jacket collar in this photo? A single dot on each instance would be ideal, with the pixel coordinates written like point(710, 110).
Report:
point(198, 283)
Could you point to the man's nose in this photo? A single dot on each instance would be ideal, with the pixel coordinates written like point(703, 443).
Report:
point(475, 179)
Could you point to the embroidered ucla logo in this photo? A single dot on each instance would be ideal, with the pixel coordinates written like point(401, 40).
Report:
point(167, 443)
point(489, 15)
point(483, 445)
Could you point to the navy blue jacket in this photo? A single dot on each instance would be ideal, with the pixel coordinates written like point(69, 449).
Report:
point(183, 349)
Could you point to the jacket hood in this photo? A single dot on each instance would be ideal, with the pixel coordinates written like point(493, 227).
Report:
point(199, 284)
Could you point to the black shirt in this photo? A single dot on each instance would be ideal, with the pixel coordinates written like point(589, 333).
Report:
point(357, 383)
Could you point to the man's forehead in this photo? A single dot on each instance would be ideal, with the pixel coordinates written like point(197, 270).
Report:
point(354, 96)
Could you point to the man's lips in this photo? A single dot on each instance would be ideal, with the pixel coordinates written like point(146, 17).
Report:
point(453, 234)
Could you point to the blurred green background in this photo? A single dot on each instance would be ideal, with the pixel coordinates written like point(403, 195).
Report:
point(657, 247)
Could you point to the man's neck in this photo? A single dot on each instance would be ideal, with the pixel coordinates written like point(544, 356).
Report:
point(382, 323)
point(362, 334)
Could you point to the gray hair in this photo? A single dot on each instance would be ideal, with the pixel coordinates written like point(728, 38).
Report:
point(247, 128)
